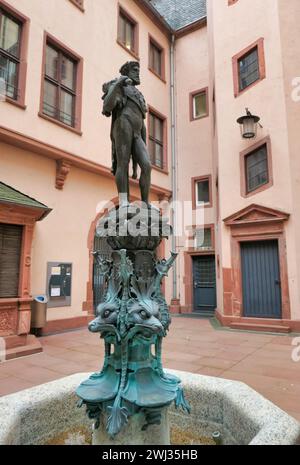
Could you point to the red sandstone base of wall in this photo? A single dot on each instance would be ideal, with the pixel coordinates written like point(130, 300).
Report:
point(56, 326)
point(186, 309)
point(175, 306)
point(19, 346)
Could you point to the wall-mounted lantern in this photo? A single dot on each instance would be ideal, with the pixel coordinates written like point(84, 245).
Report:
point(248, 125)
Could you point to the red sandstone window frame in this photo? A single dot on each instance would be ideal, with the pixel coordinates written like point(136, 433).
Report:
point(259, 44)
point(79, 4)
point(52, 41)
point(164, 120)
point(22, 71)
point(192, 97)
point(195, 181)
point(243, 175)
point(135, 49)
point(153, 43)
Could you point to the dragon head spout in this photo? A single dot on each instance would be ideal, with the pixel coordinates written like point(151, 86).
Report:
point(107, 314)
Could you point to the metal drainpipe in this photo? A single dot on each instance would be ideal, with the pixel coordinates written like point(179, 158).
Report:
point(173, 150)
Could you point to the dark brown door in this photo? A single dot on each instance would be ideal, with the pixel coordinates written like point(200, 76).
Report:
point(10, 253)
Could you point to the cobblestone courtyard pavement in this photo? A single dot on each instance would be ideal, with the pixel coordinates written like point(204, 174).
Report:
point(263, 361)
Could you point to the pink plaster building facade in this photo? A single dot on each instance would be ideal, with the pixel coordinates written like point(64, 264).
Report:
point(201, 66)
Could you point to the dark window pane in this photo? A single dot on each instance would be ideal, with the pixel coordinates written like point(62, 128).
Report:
point(203, 238)
point(257, 169)
point(126, 32)
point(50, 99)
point(9, 74)
point(152, 122)
point(60, 86)
point(66, 108)
point(199, 104)
point(151, 58)
point(248, 69)
point(122, 29)
point(67, 72)
point(51, 63)
point(155, 59)
point(152, 151)
point(156, 140)
point(158, 156)
point(158, 129)
point(203, 191)
point(10, 36)
point(129, 36)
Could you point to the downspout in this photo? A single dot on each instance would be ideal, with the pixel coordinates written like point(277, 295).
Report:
point(174, 160)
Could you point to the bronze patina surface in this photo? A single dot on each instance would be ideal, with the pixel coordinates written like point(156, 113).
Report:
point(134, 317)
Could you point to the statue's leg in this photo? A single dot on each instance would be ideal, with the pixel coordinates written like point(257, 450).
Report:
point(123, 136)
point(142, 157)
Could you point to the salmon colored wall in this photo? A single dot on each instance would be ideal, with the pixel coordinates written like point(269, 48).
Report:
point(214, 134)
point(234, 28)
point(102, 60)
point(289, 19)
point(194, 148)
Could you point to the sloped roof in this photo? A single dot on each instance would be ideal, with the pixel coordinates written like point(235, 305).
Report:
point(180, 13)
point(10, 195)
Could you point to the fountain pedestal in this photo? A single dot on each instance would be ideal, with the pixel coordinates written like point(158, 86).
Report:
point(132, 389)
point(134, 434)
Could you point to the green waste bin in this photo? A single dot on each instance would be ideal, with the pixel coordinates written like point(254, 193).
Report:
point(39, 311)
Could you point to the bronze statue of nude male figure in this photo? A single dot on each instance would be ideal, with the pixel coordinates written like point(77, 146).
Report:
point(127, 107)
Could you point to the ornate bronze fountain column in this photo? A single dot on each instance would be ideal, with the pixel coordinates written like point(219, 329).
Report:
point(134, 316)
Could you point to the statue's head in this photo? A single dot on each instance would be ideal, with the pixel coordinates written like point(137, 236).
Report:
point(132, 70)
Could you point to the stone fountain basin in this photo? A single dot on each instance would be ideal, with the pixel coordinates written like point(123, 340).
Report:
point(47, 414)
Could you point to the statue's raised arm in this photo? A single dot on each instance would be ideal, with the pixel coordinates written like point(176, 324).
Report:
point(114, 94)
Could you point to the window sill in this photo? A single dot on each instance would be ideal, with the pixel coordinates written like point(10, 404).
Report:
point(17, 103)
point(206, 205)
point(131, 52)
point(196, 251)
point(240, 92)
point(157, 75)
point(9, 300)
point(161, 170)
point(258, 190)
point(200, 117)
point(59, 123)
point(77, 5)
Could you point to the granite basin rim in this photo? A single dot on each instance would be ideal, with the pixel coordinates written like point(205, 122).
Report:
point(35, 415)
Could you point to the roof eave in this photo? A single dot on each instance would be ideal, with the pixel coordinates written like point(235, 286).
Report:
point(198, 24)
point(40, 212)
point(165, 26)
point(154, 14)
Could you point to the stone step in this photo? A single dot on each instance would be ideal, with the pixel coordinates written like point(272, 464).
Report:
point(261, 327)
point(31, 345)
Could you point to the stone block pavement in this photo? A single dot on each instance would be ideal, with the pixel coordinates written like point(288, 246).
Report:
point(263, 361)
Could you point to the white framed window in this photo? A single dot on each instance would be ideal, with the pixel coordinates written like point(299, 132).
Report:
point(204, 238)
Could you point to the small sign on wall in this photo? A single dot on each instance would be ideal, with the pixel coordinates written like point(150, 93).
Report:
point(59, 279)
point(55, 292)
